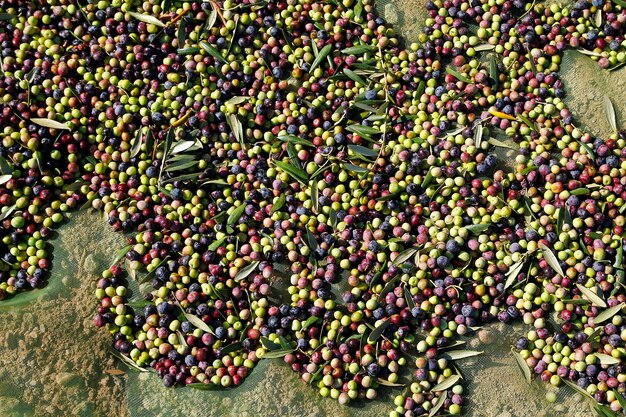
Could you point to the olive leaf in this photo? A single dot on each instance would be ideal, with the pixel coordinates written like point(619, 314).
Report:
point(523, 366)
point(476, 229)
point(358, 50)
point(332, 218)
point(609, 110)
point(236, 127)
point(275, 354)
point(181, 34)
point(428, 178)
point(210, 22)
point(188, 51)
point(320, 57)
point(236, 214)
point(279, 203)
point(5, 168)
point(551, 259)
point(7, 212)
point(135, 145)
point(409, 298)
point(606, 359)
point(358, 9)
point(295, 140)
point(268, 344)
point(404, 256)
point(363, 130)
point(6, 16)
point(577, 388)
point(147, 19)
point(591, 296)
point(378, 331)
point(149, 142)
point(500, 144)
point(588, 53)
point(245, 272)
point(389, 383)
point(354, 77)
point(454, 355)
point(213, 246)
point(608, 313)
point(484, 47)
point(293, 171)
point(5, 178)
point(198, 322)
point(493, 72)
point(128, 361)
point(355, 168)
point(315, 203)
point(309, 322)
point(121, 253)
point(237, 100)
point(183, 146)
point(447, 383)
point(598, 18)
point(458, 75)
point(440, 401)
point(527, 122)
point(181, 338)
point(362, 150)
point(620, 398)
point(233, 347)
point(212, 51)
point(49, 123)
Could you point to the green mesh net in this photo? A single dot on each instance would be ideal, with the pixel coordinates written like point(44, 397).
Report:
point(55, 362)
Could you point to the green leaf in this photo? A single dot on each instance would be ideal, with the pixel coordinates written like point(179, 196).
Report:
point(233, 347)
point(500, 144)
point(181, 34)
point(293, 171)
point(523, 366)
point(358, 50)
point(607, 314)
point(128, 361)
point(354, 77)
point(279, 203)
point(213, 246)
point(236, 214)
point(315, 195)
point(295, 140)
point(620, 399)
point(477, 229)
point(378, 331)
point(484, 47)
point(246, 271)
point(428, 178)
point(493, 72)
point(447, 383)
point(320, 57)
point(275, 354)
point(309, 322)
point(409, 299)
point(355, 168)
point(149, 142)
point(511, 275)
point(527, 122)
point(606, 359)
point(197, 322)
point(268, 344)
point(147, 19)
point(121, 253)
point(589, 151)
point(577, 388)
point(237, 100)
point(5, 168)
point(236, 127)
point(478, 135)
point(363, 130)
point(454, 355)
point(591, 296)
point(440, 401)
point(188, 51)
point(183, 146)
point(362, 150)
point(358, 9)
point(386, 383)
point(212, 51)
point(5, 178)
point(136, 143)
point(458, 75)
point(6, 213)
point(609, 110)
point(404, 256)
point(49, 123)
point(6, 16)
point(551, 259)
point(332, 218)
